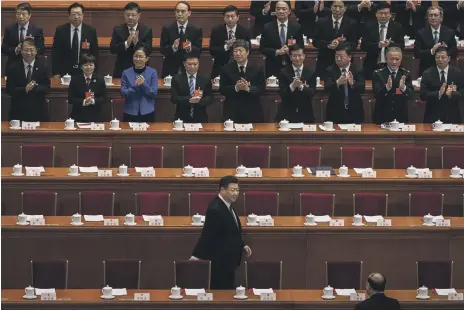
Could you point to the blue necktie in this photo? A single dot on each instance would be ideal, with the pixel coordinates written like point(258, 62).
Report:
point(282, 34)
point(192, 92)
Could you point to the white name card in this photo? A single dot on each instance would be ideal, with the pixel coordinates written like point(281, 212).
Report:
point(384, 222)
point(33, 172)
point(141, 296)
point(157, 221)
point(201, 173)
point(357, 296)
point(48, 296)
point(242, 127)
point(139, 127)
point(148, 173)
point(111, 222)
point(192, 127)
point(309, 128)
point(443, 222)
point(105, 173)
point(424, 174)
point(353, 127)
point(268, 296)
point(30, 125)
point(255, 173)
point(455, 296)
point(457, 128)
point(97, 126)
point(337, 222)
point(205, 296)
point(369, 174)
point(266, 222)
point(323, 173)
point(37, 221)
point(409, 128)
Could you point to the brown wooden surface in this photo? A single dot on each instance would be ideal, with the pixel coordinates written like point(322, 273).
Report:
point(302, 249)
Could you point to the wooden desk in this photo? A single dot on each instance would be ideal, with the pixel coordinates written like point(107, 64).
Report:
point(302, 249)
point(286, 299)
point(170, 180)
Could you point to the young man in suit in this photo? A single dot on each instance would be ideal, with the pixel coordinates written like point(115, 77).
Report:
point(345, 84)
point(330, 32)
point(393, 89)
point(179, 38)
point(378, 36)
point(309, 12)
point(127, 37)
point(277, 36)
point(431, 37)
point(191, 93)
point(411, 14)
point(70, 41)
point(441, 87)
point(223, 36)
point(221, 238)
point(15, 34)
point(242, 84)
point(264, 11)
point(28, 82)
point(297, 86)
point(377, 300)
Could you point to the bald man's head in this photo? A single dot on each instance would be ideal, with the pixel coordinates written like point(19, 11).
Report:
point(377, 282)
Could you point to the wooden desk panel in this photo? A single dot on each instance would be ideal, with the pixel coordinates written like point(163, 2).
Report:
point(170, 180)
point(302, 249)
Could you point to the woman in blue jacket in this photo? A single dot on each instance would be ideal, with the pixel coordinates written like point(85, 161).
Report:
point(139, 86)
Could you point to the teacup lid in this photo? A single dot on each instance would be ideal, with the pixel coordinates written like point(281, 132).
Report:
point(412, 167)
point(428, 215)
point(343, 166)
point(175, 286)
point(74, 166)
point(178, 120)
point(456, 167)
point(284, 121)
point(252, 214)
point(76, 214)
point(297, 166)
point(115, 119)
point(357, 215)
point(108, 75)
point(107, 286)
point(70, 119)
point(241, 166)
point(423, 287)
point(218, 77)
point(438, 122)
point(66, 75)
point(169, 76)
point(123, 166)
point(310, 214)
point(240, 287)
point(188, 166)
point(272, 77)
point(229, 120)
point(17, 165)
point(394, 121)
point(130, 214)
point(22, 214)
point(328, 287)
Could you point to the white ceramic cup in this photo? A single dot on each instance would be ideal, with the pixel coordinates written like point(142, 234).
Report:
point(229, 124)
point(66, 79)
point(272, 80)
point(329, 125)
point(406, 40)
point(310, 219)
point(297, 170)
point(130, 218)
point(395, 125)
point(343, 170)
point(29, 291)
point(252, 218)
point(76, 218)
point(328, 291)
point(17, 169)
point(114, 124)
point(455, 171)
point(283, 124)
point(108, 79)
point(107, 291)
point(423, 291)
point(240, 291)
point(196, 218)
point(411, 171)
point(167, 80)
point(69, 123)
point(122, 170)
point(73, 170)
point(22, 218)
point(217, 80)
point(15, 123)
point(188, 170)
point(305, 40)
point(428, 219)
point(178, 124)
point(241, 170)
point(175, 291)
point(318, 81)
point(438, 125)
point(357, 219)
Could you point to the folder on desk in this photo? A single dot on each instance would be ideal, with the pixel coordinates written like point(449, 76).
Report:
point(321, 168)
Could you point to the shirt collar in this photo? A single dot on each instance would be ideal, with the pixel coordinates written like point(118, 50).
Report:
point(386, 24)
point(347, 67)
point(188, 75)
point(26, 26)
point(184, 25)
point(295, 68)
point(135, 26)
point(233, 29)
point(245, 65)
point(280, 23)
point(446, 70)
point(339, 20)
point(225, 202)
point(85, 77)
point(26, 64)
point(78, 27)
point(391, 70)
point(433, 29)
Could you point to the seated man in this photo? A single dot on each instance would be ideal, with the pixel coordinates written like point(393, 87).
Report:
point(377, 300)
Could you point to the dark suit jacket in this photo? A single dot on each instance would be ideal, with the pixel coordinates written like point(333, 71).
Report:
point(378, 302)
point(362, 17)
point(173, 60)
point(418, 17)
point(242, 107)
point(451, 15)
point(217, 40)
point(370, 44)
point(389, 105)
point(11, 40)
point(62, 61)
point(118, 47)
point(180, 95)
point(29, 106)
point(76, 95)
point(256, 10)
point(304, 11)
point(336, 111)
point(325, 34)
point(296, 106)
point(221, 238)
point(270, 43)
point(445, 109)
point(424, 43)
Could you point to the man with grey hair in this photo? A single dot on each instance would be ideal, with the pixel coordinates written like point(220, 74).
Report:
point(431, 37)
point(392, 88)
point(377, 300)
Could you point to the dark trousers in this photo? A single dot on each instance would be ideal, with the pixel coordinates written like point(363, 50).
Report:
point(147, 118)
point(222, 277)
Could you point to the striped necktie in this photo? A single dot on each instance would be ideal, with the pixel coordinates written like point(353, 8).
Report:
point(192, 92)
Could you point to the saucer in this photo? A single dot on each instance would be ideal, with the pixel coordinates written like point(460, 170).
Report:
point(110, 84)
point(15, 128)
point(241, 175)
point(123, 175)
point(229, 129)
point(22, 224)
point(411, 176)
point(328, 297)
point(77, 224)
point(423, 298)
point(177, 129)
point(343, 176)
point(395, 129)
point(216, 85)
point(74, 175)
point(104, 297)
point(298, 175)
point(73, 128)
point(197, 224)
point(188, 175)
point(430, 225)
point(308, 224)
point(29, 297)
point(130, 224)
point(326, 129)
point(114, 128)
point(240, 297)
point(176, 297)
point(361, 224)
point(439, 130)
point(17, 175)
point(167, 85)
point(455, 176)
point(272, 85)
point(283, 129)
point(65, 84)
point(252, 224)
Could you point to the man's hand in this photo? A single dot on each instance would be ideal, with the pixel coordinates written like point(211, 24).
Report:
point(195, 99)
point(88, 101)
point(30, 86)
point(135, 37)
point(18, 48)
point(341, 80)
point(175, 45)
point(434, 48)
point(384, 43)
point(442, 89)
point(188, 48)
point(449, 90)
point(267, 7)
point(333, 45)
point(283, 50)
point(410, 5)
point(460, 4)
point(365, 4)
point(241, 85)
point(247, 251)
point(230, 42)
point(403, 82)
point(350, 78)
point(140, 80)
point(297, 83)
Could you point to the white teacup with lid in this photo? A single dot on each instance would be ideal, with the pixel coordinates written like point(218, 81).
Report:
point(357, 220)
point(283, 124)
point(241, 170)
point(196, 219)
point(22, 219)
point(272, 81)
point(252, 219)
point(343, 170)
point(310, 220)
point(188, 171)
point(69, 124)
point(328, 292)
point(178, 124)
point(297, 171)
point(437, 126)
point(411, 171)
point(428, 220)
point(394, 125)
point(66, 79)
point(29, 293)
point(73, 170)
point(422, 293)
point(130, 219)
point(18, 170)
point(240, 293)
point(229, 125)
point(108, 79)
point(114, 124)
point(76, 219)
point(175, 293)
point(15, 124)
point(456, 171)
point(107, 292)
point(122, 171)
point(328, 125)
point(167, 80)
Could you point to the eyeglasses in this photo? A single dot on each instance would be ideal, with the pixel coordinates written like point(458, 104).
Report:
point(23, 14)
point(383, 13)
point(29, 50)
point(139, 57)
point(441, 57)
point(132, 15)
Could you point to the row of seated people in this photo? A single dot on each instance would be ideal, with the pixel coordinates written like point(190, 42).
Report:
point(126, 273)
point(205, 155)
point(255, 202)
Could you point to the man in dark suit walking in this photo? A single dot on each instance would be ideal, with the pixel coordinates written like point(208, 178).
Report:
point(330, 32)
point(297, 86)
point(393, 89)
point(441, 87)
point(191, 93)
point(28, 82)
point(344, 83)
point(431, 37)
point(277, 37)
point(221, 238)
point(378, 36)
point(377, 300)
point(15, 34)
point(178, 39)
point(71, 40)
point(223, 36)
point(264, 11)
point(127, 37)
point(242, 84)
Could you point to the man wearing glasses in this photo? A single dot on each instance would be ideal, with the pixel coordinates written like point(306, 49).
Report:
point(127, 37)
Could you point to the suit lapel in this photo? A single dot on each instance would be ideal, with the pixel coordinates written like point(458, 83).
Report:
point(429, 35)
point(16, 33)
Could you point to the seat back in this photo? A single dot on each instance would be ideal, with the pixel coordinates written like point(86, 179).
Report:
point(192, 274)
point(303, 155)
point(344, 275)
point(261, 203)
point(96, 203)
point(253, 156)
point(122, 273)
point(263, 274)
point(39, 202)
point(49, 274)
point(452, 156)
point(406, 156)
point(423, 203)
point(146, 156)
point(357, 156)
point(94, 155)
point(199, 202)
point(435, 274)
point(36, 155)
point(317, 204)
point(370, 204)
point(153, 203)
point(199, 155)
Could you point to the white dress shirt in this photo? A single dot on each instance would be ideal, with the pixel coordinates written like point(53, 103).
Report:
point(178, 30)
point(128, 28)
point(384, 37)
point(79, 35)
point(285, 29)
point(339, 22)
point(25, 67)
point(228, 30)
point(26, 27)
point(301, 72)
point(433, 36)
point(92, 101)
point(446, 73)
point(244, 71)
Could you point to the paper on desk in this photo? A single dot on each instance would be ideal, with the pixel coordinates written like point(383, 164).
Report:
point(140, 169)
point(322, 219)
point(447, 126)
point(132, 124)
point(322, 127)
point(373, 219)
point(194, 125)
point(203, 218)
point(345, 126)
point(39, 291)
point(361, 170)
point(439, 217)
point(295, 125)
point(84, 125)
point(195, 170)
point(384, 126)
point(88, 169)
point(42, 169)
point(37, 216)
point(249, 126)
point(422, 169)
point(119, 292)
point(263, 217)
point(345, 292)
point(147, 218)
point(444, 291)
point(255, 168)
point(259, 291)
point(93, 218)
point(194, 291)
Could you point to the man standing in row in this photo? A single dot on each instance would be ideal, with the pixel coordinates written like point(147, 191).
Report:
point(264, 11)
